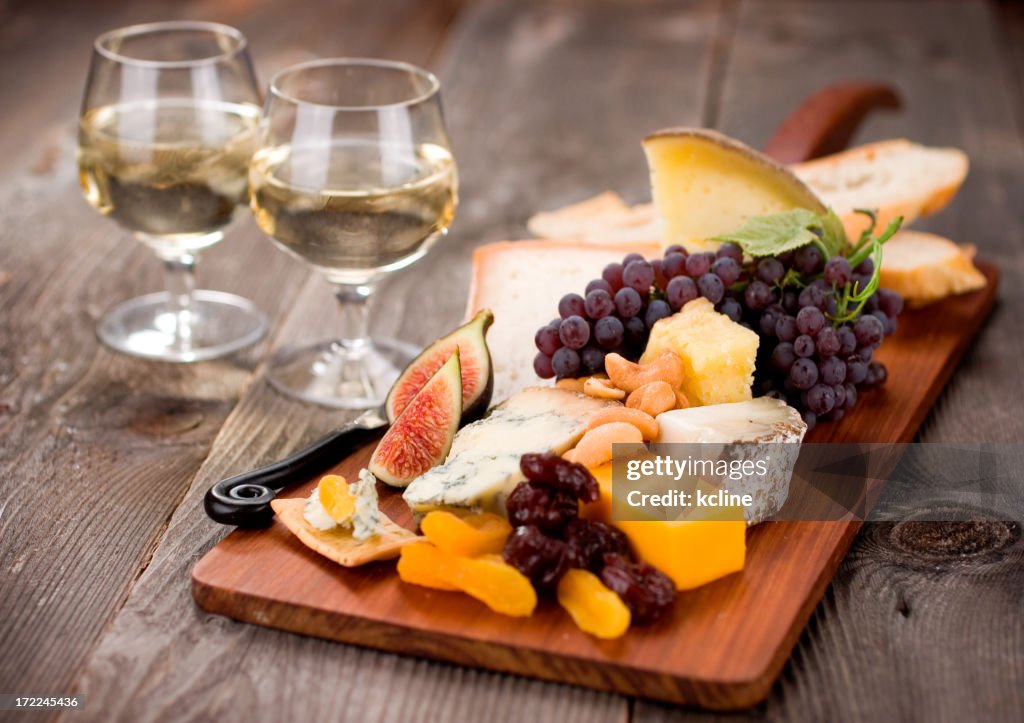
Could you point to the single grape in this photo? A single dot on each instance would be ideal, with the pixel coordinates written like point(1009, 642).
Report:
point(827, 341)
point(877, 374)
point(659, 274)
point(675, 249)
point(758, 295)
point(783, 357)
point(866, 267)
point(570, 305)
point(711, 287)
point(785, 328)
point(729, 250)
point(868, 330)
point(599, 304)
point(680, 291)
point(859, 281)
point(731, 308)
point(851, 394)
point(820, 399)
point(807, 260)
point(791, 301)
point(592, 358)
point(832, 370)
point(837, 271)
point(803, 346)
point(890, 302)
point(769, 318)
point(636, 332)
point(840, 391)
point(810, 320)
point(628, 302)
point(865, 353)
point(803, 374)
point(609, 332)
point(630, 258)
point(872, 304)
point(727, 270)
point(812, 296)
point(847, 339)
point(547, 340)
point(673, 265)
point(810, 419)
point(638, 275)
point(698, 264)
point(598, 284)
point(542, 365)
point(612, 273)
point(566, 363)
point(574, 332)
point(856, 369)
point(770, 270)
point(656, 310)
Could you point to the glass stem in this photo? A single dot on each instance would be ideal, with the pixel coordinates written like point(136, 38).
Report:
point(355, 318)
point(180, 280)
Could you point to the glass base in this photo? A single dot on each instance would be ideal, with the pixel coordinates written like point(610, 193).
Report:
point(329, 374)
point(216, 325)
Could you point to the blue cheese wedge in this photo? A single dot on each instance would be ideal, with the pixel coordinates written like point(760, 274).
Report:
point(366, 520)
point(761, 429)
point(483, 465)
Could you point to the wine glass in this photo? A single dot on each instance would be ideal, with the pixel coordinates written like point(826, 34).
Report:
point(168, 126)
point(355, 176)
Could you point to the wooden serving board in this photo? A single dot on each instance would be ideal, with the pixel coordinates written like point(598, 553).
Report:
point(722, 646)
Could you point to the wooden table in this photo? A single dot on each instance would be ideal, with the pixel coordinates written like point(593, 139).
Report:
point(104, 459)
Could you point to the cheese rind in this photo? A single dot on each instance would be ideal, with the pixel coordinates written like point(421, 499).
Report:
point(483, 466)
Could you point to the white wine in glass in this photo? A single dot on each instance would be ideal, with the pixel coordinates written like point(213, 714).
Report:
point(354, 176)
point(168, 128)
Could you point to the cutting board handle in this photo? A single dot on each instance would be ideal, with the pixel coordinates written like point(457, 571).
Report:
point(827, 119)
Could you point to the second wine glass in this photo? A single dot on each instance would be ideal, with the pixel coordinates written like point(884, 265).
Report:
point(354, 176)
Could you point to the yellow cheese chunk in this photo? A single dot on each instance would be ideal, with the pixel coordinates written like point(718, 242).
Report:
point(718, 354)
point(705, 184)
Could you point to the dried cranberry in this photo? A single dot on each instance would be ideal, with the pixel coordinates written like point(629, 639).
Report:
point(541, 558)
point(538, 467)
point(535, 503)
point(647, 592)
point(590, 541)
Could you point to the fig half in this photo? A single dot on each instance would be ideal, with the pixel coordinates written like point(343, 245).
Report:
point(475, 361)
point(422, 435)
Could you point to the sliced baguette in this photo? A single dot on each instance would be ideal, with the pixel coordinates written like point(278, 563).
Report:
point(924, 267)
point(521, 282)
point(603, 219)
point(896, 177)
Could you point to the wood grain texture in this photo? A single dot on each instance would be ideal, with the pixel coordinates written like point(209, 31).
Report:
point(162, 657)
point(100, 448)
point(898, 636)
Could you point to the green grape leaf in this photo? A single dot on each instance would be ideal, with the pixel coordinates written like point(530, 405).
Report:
point(834, 235)
point(776, 233)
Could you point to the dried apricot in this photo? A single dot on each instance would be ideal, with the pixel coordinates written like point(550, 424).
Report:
point(596, 445)
point(488, 578)
point(475, 534)
point(647, 424)
point(594, 608)
point(337, 500)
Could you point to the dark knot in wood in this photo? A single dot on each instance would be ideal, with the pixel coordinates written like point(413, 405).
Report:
point(953, 539)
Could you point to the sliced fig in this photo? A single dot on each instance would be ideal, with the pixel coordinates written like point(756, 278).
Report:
point(422, 435)
point(477, 372)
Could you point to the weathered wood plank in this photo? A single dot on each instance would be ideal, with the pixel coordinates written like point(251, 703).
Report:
point(901, 634)
point(98, 448)
point(546, 103)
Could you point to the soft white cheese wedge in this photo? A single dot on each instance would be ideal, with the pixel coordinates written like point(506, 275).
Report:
point(483, 465)
point(759, 429)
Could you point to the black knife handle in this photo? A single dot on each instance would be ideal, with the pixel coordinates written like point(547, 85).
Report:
point(244, 500)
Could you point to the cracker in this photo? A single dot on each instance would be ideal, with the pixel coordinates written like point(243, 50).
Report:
point(338, 544)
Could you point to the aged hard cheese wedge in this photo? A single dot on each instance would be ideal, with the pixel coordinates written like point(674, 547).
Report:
point(895, 177)
point(718, 354)
point(760, 430)
point(705, 184)
point(924, 267)
point(521, 282)
point(483, 466)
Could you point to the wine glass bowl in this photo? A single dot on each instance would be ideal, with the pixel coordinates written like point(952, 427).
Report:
point(355, 176)
point(168, 127)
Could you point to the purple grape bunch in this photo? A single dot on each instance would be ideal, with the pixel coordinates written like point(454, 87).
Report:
point(820, 319)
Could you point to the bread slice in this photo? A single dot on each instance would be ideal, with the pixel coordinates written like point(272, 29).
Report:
point(603, 219)
point(521, 282)
point(896, 177)
point(924, 267)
